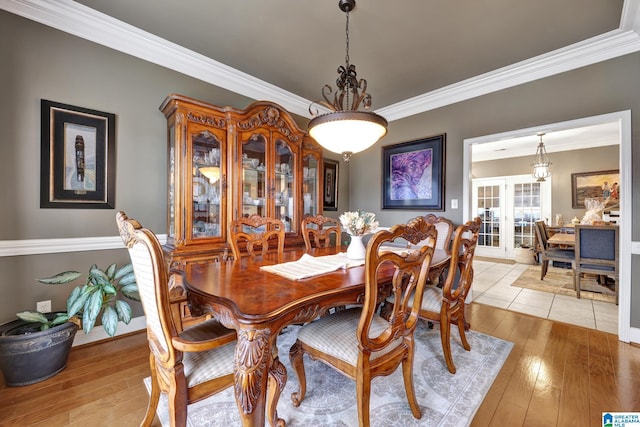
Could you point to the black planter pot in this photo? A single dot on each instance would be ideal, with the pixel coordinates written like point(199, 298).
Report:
point(28, 355)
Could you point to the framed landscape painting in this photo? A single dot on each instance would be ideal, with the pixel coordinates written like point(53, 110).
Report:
point(413, 174)
point(77, 166)
point(596, 185)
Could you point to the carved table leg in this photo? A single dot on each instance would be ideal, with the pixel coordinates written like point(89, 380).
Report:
point(252, 362)
point(277, 381)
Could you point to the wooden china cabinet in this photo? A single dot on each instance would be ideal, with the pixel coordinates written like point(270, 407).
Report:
point(224, 163)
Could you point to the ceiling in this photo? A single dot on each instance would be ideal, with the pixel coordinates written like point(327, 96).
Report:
point(416, 55)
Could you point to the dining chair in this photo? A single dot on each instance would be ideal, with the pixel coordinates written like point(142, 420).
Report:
point(597, 252)
point(446, 305)
point(359, 342)
point(548, 253)
point(187, 366)
point(256, 234)
point(445, 229)
point(319, 230)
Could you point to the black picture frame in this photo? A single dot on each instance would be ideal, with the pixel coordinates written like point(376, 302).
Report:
point(413, 174)
point(591, 185)
point(330, 185)
point(77, 157)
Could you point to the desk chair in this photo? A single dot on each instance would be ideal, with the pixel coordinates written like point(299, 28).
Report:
point(255, 232)
point(550, 254)
point(318, 230)
point(597, 252)
point(187, 366)
point(359, 342)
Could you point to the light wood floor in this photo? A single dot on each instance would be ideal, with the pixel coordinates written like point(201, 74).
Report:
point(556, 375)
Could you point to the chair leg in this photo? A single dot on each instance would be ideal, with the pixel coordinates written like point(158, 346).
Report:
point(407, 375)
point(177, 400)
point(277, 381)
point(445, 337)
point(463, 336)
point(363, 393)
point(297, 363)
point(544, 268)
point(577, 283)
point(154, 397)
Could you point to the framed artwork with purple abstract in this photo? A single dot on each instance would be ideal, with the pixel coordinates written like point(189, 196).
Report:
point(413, 174)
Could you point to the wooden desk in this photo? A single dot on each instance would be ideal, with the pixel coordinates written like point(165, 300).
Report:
point(258, 304)
point(562, 239)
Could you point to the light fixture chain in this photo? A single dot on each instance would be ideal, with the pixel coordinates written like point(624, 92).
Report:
point(347, 59)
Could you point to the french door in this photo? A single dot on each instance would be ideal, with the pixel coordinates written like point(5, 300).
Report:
point(509, 207)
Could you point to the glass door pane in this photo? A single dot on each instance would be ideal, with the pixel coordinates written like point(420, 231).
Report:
point(284, 185)
point(527, 210)
point(254, 179)
point(207, 185)
point(309, 185)
point(172, 184)
point(488, 209)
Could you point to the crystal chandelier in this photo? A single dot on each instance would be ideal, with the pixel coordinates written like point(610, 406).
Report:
point(541, 162)
point(346, 130)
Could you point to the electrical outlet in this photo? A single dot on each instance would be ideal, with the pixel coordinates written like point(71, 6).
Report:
point(454, 203)
point(44, 306)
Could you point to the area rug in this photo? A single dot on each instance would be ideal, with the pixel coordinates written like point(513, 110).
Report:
point(560, 281)
point(445, 399)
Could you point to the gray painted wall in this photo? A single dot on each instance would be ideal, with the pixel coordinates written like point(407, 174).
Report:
point(597, 89)
point(39, 62)
point(563, 164)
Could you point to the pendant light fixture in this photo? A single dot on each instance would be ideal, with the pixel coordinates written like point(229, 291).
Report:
point(541, 162)
point(345, 129)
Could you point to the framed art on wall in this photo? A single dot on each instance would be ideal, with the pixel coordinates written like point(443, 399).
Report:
point(330, 185)
point(77, 157)
point(596, 185)
point(413, 174)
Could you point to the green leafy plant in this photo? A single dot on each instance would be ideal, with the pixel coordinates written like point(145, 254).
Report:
point(98, 295)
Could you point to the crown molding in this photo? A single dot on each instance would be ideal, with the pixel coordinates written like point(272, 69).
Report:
point(89, 24)
point(630, 20)
point(600, 48)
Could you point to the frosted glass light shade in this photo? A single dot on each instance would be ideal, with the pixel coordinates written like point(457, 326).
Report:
point(347, 131)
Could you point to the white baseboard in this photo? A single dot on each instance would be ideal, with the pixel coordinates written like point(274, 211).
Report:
point(98, 333)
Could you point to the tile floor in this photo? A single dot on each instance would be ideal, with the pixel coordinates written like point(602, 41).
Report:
point(492, 286)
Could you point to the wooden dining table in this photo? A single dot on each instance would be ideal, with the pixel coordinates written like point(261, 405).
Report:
point(259, 304)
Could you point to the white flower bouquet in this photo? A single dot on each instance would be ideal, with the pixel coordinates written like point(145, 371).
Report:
point(358, 223)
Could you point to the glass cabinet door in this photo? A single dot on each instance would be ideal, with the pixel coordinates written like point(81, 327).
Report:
point(171, 211)
point(207, 185)
point(310, 176)
point(254, 176)
point(284, 166)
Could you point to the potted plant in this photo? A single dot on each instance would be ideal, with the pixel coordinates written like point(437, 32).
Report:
point(37, 345)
